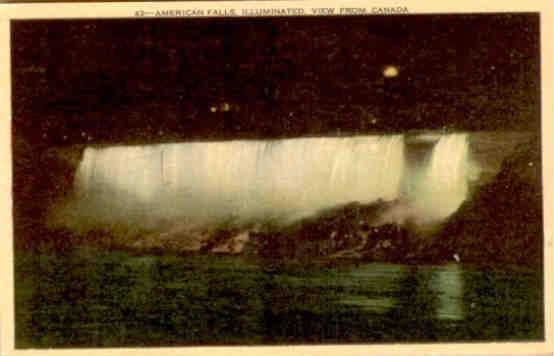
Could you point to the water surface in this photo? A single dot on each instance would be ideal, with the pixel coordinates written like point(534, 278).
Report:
point(86, 297)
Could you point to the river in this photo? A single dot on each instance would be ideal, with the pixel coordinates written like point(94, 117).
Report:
point(88, 297)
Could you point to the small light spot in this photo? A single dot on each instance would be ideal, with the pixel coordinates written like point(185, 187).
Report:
point(213, 109)
point(374, 121)
point(390, 71)
point(530, 164)
point(225, 107)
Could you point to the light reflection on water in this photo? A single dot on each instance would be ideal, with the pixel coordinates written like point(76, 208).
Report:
point(379, 278)
point(448, 284)
point(445, 282)
point(98, 298)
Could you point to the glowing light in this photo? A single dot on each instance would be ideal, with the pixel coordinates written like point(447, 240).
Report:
point(225, 107)
point(390, 71)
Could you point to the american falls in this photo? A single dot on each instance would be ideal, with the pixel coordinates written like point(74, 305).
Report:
point(245, 181)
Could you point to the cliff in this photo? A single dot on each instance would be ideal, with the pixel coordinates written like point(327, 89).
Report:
point(503, 222)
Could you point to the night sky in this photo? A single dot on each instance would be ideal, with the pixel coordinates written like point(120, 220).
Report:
point(114, 81)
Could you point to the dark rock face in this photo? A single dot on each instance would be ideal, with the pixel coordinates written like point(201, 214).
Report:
point(342, 233)
point(503, 223)
point(339, 234)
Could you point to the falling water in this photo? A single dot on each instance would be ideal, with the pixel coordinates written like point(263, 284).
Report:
point(444, 186)
point(272, 180)
point(235, 180)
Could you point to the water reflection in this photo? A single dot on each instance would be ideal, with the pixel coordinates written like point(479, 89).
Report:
point(100, 298)
point(379, 283)
point(377, 305)
point(448, 284)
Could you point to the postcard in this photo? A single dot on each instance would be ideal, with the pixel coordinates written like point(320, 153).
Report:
point(296, 177)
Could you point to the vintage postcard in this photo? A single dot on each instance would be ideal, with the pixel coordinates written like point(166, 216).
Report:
point(293, 177)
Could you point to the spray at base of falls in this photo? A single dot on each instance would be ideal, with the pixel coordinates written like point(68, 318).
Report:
point(274, 180)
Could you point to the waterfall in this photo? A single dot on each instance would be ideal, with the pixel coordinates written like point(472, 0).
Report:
point(239, 180)
point(248, 181)
point(444, 186)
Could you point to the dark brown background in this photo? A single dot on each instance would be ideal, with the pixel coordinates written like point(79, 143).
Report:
point(152, 80)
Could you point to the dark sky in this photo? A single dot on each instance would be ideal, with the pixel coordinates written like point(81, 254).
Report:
point(160, 80)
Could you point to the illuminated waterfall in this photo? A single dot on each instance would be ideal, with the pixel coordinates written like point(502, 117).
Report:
point(444, 186)
point(247, 181)
point(235, 180)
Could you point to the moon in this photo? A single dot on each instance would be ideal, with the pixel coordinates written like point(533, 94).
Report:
point(390, 71)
